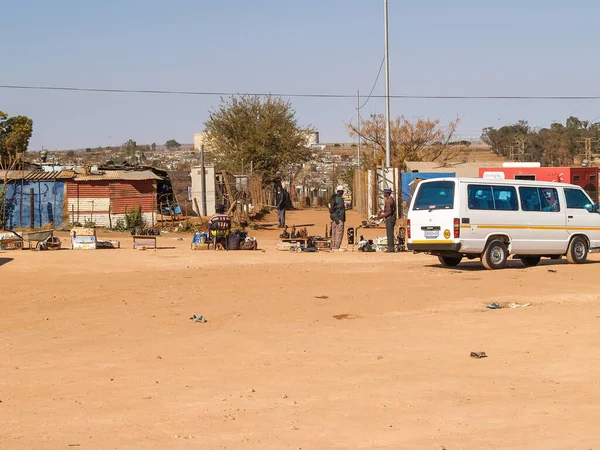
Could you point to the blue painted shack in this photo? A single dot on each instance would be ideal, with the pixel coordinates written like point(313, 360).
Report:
point(409, 177)
point(33, 199)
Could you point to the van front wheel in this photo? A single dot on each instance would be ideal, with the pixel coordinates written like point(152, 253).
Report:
point(495, 255)
point(578, 250)
point(450, 261)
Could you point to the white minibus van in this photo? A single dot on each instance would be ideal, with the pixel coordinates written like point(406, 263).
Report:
point(454, 218)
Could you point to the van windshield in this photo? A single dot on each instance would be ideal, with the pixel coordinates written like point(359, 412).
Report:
point(435, 195)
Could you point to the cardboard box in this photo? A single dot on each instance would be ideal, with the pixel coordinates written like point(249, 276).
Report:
point(83, 242)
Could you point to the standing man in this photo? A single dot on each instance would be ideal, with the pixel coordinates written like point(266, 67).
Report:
point(389, 214)
point(337, 213)
point(282, 203)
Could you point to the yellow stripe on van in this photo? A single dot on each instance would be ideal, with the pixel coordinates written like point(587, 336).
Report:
point(531, 227)
point(432, 241)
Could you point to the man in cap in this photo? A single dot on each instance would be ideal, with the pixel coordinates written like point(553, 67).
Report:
point(337, 213)
point(389, 214)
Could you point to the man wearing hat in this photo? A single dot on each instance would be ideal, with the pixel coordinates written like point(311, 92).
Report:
point(337, 213)
point(389, 214)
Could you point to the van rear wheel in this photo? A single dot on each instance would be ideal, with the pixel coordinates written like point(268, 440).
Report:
point(494, 255)
point(450, 261)
point(578, 250)
point(530, 261)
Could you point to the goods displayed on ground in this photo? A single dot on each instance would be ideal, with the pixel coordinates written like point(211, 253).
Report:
point(236, 240)
point(292, 239)
point(300, 241)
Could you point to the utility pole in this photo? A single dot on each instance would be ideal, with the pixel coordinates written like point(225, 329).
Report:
point(520, 144)
point(587, 153)
point(388, 154)
point(358, 121)
point(203, 181)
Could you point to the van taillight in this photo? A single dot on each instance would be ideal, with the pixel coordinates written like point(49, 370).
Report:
point(408, 229)
point(456, 228)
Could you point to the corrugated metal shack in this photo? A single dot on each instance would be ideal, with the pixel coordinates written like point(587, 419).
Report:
point(105, 196)
point(34, 198)
point(38, 198)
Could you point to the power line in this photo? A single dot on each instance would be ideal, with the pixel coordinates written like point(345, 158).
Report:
point(374, 84)
point(299, 95)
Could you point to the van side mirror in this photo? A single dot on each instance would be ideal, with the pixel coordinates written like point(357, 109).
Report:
point(592, 208)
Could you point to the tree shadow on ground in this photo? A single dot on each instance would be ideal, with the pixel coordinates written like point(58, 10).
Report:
point(5, 260)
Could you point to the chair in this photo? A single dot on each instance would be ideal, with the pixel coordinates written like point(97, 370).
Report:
point(219, 229)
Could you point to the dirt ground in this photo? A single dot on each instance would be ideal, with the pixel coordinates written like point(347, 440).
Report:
point(300, 351)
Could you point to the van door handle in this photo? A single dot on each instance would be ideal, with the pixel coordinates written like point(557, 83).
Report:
point(569, 217)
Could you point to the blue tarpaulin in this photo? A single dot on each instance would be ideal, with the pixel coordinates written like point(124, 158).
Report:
point(409, 177)
point(48, 199)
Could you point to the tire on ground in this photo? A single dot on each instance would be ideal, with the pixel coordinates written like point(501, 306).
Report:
point(495, 255)
point(578, 250)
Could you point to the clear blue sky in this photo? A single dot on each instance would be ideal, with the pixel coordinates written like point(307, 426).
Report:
point(468, 47)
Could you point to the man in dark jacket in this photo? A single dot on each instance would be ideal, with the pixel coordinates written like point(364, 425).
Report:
point(282, 199)
point(337, 213)
point(389, 214)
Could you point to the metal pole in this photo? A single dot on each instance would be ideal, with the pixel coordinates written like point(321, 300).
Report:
point(203, 181)
point(388, 153)
point(358, 120)
point(31, 209)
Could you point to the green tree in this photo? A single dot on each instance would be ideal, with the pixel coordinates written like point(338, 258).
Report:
point(70, 153)
point(15, 133)
point(153, 146)
point(172, 144)
point(265, 133)
point(558, 145)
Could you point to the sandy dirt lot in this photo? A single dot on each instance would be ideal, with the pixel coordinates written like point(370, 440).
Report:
point(300, 351)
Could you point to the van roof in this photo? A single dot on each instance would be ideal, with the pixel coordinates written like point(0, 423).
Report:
point(502, 181)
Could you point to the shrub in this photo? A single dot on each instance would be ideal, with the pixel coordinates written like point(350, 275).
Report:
point(134, 219)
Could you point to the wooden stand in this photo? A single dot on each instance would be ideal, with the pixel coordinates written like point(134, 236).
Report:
point(144, 241)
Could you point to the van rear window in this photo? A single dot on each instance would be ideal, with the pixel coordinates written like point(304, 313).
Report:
point(435, 195)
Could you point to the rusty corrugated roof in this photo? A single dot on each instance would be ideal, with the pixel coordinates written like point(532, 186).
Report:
point(127, 175)
point(35, 175)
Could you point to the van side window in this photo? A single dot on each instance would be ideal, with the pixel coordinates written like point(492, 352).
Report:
point(499, 198)
point(480, 197)
point(539, 199)
point(576, 199)
point(530, 199)
point(549, 198)
point(505, 198)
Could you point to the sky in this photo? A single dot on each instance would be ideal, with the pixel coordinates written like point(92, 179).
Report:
point(461, 48)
